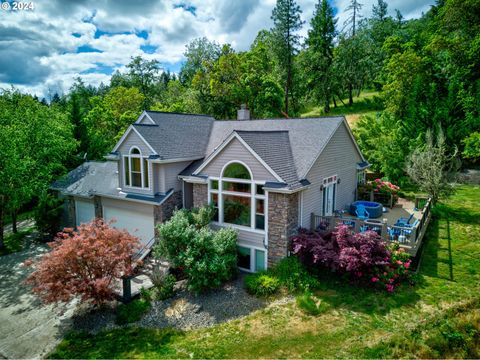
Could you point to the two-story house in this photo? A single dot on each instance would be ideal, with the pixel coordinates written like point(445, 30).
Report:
point(264, 177)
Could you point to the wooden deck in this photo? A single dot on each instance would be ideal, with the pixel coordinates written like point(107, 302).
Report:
point(409, 237)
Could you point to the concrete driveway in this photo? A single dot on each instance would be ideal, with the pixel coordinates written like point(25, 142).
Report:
point(28, 329)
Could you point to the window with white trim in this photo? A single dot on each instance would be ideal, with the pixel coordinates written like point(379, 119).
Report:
point(251, 259)
point(237, 198)
point(136, 169)
point(360, 177)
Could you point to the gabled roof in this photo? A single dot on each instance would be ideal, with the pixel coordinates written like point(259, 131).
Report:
point(275, 149)
point(177, 136)
point(288, 148)
point(307, 136)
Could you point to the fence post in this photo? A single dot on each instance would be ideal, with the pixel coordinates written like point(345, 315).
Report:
point(127, 288)
point(312, 221)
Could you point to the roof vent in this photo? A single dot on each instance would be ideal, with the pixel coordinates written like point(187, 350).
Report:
point(243, 113)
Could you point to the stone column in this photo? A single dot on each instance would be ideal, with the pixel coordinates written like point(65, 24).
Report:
point(97, 204)
point(165, 211)
point(71, 215)
point(282, 224)
point(200, 195)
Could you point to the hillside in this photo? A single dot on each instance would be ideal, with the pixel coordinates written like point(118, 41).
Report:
point(367, 103)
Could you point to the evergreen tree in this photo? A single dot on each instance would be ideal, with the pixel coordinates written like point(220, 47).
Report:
point(287, 22)
point(320, 53)
point(380, 10)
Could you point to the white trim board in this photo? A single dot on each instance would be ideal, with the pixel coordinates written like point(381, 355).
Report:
point(142, 116)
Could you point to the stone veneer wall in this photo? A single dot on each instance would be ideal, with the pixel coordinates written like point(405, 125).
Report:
point(163, 212)
point(282, 224)
point(97, 204)
point(200, 195)
point(70, 211)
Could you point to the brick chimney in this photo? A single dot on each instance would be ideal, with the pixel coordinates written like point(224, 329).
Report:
point(243, 113)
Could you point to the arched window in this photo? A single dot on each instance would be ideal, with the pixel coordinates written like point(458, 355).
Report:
point(237, 198)
point(136, 169)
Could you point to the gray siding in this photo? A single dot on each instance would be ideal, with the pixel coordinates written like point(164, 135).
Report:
point(246, 237)
point(171, 175)
point(340, 157)
point(236, 151)
point(166, 176)
point(134, 140)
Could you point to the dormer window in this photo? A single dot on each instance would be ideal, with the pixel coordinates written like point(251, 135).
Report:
point(136, 169)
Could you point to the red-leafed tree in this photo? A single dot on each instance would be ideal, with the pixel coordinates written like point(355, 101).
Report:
point(84, 263)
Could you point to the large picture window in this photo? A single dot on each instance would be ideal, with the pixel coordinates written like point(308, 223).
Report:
point(136, 169)
point(237, 198)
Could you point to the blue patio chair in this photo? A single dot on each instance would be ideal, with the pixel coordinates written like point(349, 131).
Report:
point(404, 221)
point(362, 213)
point(415, 223)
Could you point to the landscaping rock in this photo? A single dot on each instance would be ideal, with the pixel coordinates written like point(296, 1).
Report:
point(186, 310)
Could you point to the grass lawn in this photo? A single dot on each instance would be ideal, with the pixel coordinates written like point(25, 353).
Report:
point(366, 103)
point(439, 317)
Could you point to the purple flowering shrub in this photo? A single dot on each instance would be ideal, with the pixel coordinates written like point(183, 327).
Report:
point(363, 256)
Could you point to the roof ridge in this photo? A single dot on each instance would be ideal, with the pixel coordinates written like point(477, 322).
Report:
point(261, 131)
point(177, 113)
point(285, 119)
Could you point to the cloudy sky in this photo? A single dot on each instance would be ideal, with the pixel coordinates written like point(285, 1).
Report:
point(44, 49)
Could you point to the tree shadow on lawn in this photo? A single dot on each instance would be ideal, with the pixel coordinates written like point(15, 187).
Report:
point(118, 343)
point(340, 294)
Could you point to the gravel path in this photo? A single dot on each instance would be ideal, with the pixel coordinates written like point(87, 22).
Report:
point(184, 311)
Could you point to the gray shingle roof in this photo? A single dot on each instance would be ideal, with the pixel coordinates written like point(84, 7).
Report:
point(89, 178)
point(94, 177)
point(275, 149)
point(307, 137)
point(177, 136)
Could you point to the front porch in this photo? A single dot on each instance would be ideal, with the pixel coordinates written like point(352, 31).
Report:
point(415, 215)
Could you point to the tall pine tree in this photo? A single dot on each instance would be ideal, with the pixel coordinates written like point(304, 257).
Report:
point(287, 22)
point(320, 53)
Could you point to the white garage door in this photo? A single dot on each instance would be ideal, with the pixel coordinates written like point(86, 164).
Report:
point(136, 218)
point(84, 211)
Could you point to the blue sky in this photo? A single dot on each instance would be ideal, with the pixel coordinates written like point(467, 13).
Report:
point(43, 50)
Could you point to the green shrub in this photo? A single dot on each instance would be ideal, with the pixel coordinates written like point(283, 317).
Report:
point(132, 312)
point(208, 258)
point(166, 289)
point(310, 305)
point(294, 276)
point(262, 284)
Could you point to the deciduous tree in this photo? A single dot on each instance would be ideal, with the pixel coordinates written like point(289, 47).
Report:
point(84, 263)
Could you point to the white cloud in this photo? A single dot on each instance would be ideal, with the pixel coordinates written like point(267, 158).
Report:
point(38, 49)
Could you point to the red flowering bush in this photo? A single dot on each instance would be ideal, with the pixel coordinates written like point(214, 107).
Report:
point(384, 187)
point(363, 256)
point(84, 262)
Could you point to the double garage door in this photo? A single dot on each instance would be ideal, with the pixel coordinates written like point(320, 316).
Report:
point(136, 218)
